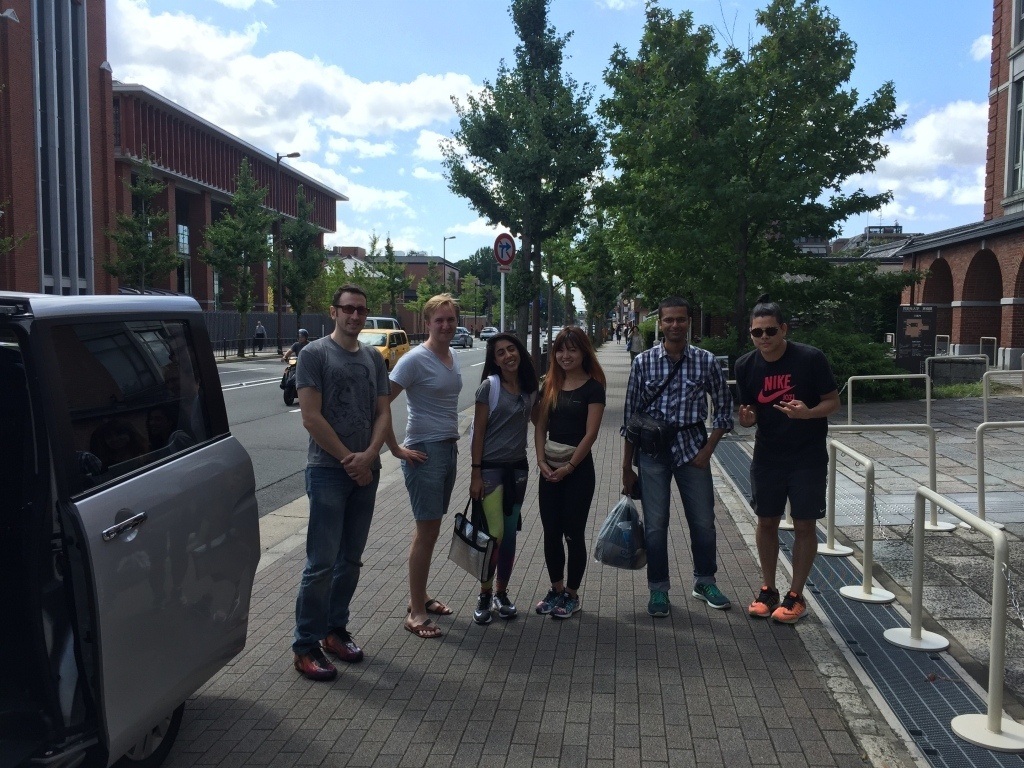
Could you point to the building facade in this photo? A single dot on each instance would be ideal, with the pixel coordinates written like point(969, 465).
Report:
point(975, 273)
point(71, 138)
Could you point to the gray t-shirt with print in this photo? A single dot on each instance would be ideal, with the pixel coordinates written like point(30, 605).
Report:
point(505, 438)
point(432, 395)
point(349, 383)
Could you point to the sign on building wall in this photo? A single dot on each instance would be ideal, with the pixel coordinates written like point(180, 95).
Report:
point(915, 336)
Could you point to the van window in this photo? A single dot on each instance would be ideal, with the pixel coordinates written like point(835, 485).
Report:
point(133, 392)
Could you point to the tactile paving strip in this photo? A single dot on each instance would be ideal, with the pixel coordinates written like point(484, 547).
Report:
point(922, 689)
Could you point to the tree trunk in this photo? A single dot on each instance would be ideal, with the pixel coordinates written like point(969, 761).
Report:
point(740, 310)
point(242, 325)
point(535, 292)
point(523, 310)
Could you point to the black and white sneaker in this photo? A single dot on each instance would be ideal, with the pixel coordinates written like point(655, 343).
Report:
point(506, 608)
point(482, 614)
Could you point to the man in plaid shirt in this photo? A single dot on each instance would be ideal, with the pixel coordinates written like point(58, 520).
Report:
point(683, 403)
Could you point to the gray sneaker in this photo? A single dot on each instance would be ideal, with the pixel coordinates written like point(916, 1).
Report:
point(482, 614)
point(506, 608)
point(712, 595)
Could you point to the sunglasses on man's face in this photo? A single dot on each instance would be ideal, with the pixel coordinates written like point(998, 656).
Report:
point(757, 333)
point(350, 309)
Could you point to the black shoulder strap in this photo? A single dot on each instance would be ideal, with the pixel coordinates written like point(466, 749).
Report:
point(645, 405)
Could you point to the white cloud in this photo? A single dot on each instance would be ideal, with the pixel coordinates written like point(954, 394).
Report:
point(361, 147)
point(617, 5)
point(243, 5)
point(428, 146)
point(362, 199)
point(423, 173)
point(355, 170)
point(939, 157)
point(214, 73)
point(981, 48)
point(478, 228)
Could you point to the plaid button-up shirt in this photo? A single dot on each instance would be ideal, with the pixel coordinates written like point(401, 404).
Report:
point(684, 400)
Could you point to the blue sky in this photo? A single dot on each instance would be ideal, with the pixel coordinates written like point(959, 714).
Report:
point(362, 89)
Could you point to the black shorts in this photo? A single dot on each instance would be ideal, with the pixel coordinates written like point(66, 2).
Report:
point(803, 485)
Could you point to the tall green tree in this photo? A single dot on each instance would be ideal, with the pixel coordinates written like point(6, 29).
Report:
point(305, 259)
point(593, 270)
point(237, 243)
point(725, 156)
point(390, 271)
point(526, 149)
point(472, 297)
point(145, 251)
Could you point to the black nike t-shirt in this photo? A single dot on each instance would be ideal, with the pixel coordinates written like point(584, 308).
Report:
point(802, 373)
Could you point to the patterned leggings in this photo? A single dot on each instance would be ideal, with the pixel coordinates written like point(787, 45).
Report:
point(504, 491)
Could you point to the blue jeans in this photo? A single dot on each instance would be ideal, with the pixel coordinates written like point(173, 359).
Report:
point(698, 496)
point(339, 523)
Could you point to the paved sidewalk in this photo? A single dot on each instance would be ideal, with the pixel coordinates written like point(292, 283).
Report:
point(610, 686)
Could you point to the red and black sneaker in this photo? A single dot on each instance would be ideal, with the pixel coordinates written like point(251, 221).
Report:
point(340, 643)
point(793, 609)
point(764, 603)
point(314, 665)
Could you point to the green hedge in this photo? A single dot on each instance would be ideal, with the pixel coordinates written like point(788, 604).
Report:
point(850, 354)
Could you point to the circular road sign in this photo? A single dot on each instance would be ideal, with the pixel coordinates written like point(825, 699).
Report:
point(504, 251)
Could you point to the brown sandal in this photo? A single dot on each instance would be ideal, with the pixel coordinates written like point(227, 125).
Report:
point(424, 631)
point(435, 607)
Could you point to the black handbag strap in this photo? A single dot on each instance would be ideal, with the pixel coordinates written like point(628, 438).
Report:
point(645, 405)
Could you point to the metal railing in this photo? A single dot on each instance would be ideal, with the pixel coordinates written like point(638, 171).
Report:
point(994, 730)
point(879, 377)
point(865, 593)
point(986, 391)
point(979, 439)
point(933, 524)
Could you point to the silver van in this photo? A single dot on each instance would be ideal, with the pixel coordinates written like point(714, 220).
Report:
point(382, 322)
point(129, 533)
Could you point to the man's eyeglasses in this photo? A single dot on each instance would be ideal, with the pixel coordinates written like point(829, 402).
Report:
point(757, 333)
point(351, 309)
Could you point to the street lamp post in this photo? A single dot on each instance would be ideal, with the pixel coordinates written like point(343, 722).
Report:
point(279, 295)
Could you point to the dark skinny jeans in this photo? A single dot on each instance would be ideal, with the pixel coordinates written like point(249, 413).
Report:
point(564, 509)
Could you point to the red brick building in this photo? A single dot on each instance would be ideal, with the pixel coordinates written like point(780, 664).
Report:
point(976, 272)
point(70, 136)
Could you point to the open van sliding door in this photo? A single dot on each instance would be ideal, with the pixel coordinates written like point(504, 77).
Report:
point(159, 509)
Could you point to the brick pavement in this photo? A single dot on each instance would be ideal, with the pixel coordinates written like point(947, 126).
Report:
point(610, 686)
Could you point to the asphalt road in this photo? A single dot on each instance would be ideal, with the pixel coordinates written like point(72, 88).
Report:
point(272, 431)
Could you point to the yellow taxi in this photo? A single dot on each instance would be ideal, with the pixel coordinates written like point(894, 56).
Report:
point(391, 343)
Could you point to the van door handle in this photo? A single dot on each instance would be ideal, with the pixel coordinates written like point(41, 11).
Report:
point(124, 526)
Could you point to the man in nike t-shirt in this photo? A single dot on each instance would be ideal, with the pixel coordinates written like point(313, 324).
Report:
point(788, 390)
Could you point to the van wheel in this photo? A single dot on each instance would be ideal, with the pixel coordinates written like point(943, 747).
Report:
point(289, 396)
point(153, 747)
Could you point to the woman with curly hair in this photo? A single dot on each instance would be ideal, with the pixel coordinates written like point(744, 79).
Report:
point(568, 419)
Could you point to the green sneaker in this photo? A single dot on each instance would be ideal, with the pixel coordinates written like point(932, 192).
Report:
point(658, 605)
point(712, 595)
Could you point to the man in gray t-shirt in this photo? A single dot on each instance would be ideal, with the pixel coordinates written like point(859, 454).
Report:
point(343, 394)
point(430, 377)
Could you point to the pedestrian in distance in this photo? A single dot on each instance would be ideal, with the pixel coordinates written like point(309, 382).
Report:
point(618, 333)
point(259, 336)
point(569, 415)
point(343, 396)
point(429, 375)
point(671, 381)
point(499, 465)
point(634, 341)
point(788, 391)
